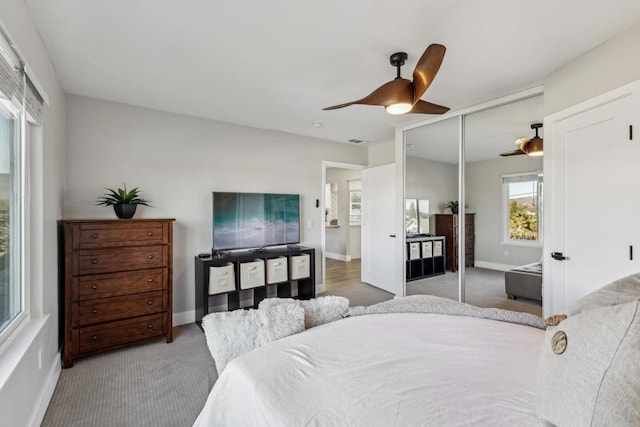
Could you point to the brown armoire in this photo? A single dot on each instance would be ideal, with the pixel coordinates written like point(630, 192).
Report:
point(447, 225)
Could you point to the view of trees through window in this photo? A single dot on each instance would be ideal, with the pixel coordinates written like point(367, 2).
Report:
point(523, 210)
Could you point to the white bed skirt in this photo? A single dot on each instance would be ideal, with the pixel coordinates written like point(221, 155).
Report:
point(400, 369)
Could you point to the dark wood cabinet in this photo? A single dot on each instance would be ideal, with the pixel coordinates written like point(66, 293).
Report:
point(447, 225)
point(116, 283)
point(248, 277)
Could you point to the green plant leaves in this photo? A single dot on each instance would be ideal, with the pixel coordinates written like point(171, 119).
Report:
point(122, 196)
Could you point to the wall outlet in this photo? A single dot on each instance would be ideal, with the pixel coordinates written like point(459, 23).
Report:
point(506, 254)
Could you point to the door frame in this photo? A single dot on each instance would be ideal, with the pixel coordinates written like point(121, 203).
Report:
point(321, 287)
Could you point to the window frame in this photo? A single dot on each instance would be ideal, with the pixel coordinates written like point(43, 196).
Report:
point(358, 220)
point(506, 239)
point(18, 230)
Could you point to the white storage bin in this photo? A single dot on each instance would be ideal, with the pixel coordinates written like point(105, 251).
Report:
point(414, 250)
point(300, 267)
point(276, 270)
point(251, 274)
point(437, 248)
point(427, 249)
point(222, 279)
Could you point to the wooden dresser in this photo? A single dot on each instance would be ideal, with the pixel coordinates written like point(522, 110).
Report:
point(447, 225)
point(117, 283)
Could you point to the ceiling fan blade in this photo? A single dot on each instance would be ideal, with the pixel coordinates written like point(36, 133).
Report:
point(426, 69)
point(424, 107)
point(512, 153)
point(395, 91)
point(521, 142)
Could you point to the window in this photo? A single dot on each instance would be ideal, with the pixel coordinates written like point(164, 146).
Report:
point(20, 106)
point(355, 202)
point(522, 207)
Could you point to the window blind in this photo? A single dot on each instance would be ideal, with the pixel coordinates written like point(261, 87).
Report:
point(15, 83)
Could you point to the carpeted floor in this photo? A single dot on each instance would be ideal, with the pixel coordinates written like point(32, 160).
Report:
point(483, 288)
point(152, 384)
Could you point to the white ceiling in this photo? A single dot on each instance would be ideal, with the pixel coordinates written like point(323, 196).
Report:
point(276, 64)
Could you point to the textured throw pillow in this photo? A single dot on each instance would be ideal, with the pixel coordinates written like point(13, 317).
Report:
point(231, 334)
point(589, 368)
point(317, 311)
point(618, 292)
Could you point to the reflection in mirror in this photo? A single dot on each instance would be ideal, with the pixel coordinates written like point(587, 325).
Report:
point(498, 266)
point(416, 217)
point(431, 176)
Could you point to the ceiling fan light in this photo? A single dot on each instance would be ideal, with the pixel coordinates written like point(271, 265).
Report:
point(399, 108)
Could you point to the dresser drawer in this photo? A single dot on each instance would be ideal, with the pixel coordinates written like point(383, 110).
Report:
point(120, 234)
point(122, 259)
point(110, 334)
point(107, 309)
point(116, 284)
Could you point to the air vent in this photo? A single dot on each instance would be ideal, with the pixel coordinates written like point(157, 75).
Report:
point(355, 141)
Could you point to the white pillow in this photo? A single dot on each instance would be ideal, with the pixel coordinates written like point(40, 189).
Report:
point(317, 311)
point(233, 333)
point(589, 368)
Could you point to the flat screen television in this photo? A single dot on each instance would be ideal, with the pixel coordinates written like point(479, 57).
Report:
point(255, 220)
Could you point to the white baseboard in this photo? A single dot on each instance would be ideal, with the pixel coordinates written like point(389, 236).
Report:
point(338, 257)
point(47, 392)
point(493, 265)
point(184, 318)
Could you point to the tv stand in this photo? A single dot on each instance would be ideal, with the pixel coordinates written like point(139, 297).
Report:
point(302, 288)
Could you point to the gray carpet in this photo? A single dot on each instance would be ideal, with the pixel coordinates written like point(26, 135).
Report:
point(483, 288)
point(151, 384)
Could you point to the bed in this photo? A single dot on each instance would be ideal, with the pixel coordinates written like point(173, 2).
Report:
point(384, 369)
point(432, 362)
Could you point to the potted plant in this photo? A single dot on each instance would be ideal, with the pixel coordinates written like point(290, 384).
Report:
point(124, 201)
point(453, 205)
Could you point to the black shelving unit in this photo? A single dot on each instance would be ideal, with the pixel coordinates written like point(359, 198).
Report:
point(422, 263)
point(306, 287)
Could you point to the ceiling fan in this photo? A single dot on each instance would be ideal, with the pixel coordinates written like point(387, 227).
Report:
point(400, 96)
point(531, 147)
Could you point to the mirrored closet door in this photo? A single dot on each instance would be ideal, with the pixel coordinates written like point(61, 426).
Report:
point(503, 198)
point(490, 227)
point(431, 184)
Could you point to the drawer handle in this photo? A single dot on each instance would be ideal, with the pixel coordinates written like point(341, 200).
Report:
point(94, 287)
point(150, 326)
point(150, 256)
point(94, 311)
point(223, 273)
point(276, 263)
point(94, 261)
point(252, 268)
point(95, 338)
point(94, 236)
point(150, 302)
point(149, 280)
point(150, 233)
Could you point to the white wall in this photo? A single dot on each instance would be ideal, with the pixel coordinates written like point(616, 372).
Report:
point(610, 65)
point(382, 154)
point(339, 240)
point(177, 161)
point(484, 197)
point(27, 385)
point(435, 181)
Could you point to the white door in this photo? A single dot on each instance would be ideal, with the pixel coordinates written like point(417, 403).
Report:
point(594, 182)
point(379, 259)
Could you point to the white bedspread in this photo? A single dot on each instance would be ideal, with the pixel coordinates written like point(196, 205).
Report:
point(403, 369)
